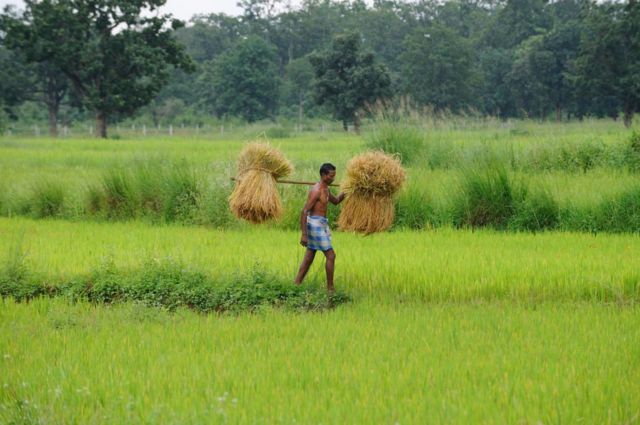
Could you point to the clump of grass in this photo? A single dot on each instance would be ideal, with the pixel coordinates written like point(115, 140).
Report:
point(633, 151)
point(397, 138)
point(16, 279)
point(46, 199)
point(414, 208)
point(120, 195)
point(181, 194)
point(536, 212)
point(620, 213)
point(212, 206)
point(487, 197)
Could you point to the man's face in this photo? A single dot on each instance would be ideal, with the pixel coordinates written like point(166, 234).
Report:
point(329, 177)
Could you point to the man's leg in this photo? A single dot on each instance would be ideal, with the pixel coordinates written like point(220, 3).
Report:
point(304, 266)
point(329, 266)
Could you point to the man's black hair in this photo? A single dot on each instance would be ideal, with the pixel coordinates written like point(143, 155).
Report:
point(326, 168)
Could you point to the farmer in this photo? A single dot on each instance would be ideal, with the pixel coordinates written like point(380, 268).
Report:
point(315, 226)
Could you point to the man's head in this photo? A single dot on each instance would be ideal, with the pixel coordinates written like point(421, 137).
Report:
point(327, 173)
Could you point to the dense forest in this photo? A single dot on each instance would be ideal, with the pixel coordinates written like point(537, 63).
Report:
point(538, 59)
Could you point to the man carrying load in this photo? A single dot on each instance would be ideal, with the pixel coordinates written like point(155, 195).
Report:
point(315, 226)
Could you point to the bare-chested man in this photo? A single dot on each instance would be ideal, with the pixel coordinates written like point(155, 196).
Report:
point(315, 226)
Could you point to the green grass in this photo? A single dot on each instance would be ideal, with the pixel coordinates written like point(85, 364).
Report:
point(573, 170)
point(367, 363)
point(444, 265)
point(444, 325)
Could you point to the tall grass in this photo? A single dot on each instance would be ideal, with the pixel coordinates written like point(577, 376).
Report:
point(397, 138)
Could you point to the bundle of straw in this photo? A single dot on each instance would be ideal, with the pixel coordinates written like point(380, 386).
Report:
point(255, 197)
point(372, 180)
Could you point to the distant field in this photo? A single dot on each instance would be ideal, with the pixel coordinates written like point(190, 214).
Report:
point(586, 169)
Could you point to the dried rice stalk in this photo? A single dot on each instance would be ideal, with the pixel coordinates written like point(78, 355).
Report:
point(372, 180)
point(255, 197)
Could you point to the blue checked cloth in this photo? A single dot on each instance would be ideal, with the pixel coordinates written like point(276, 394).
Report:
point(318, 233)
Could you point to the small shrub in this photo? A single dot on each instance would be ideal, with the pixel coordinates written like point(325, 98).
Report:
point(46, 200)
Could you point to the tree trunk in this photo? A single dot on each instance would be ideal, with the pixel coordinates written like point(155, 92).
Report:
point(344, 125)
point(628, 115)
point(101, 124)
point(356, 122)
point(558, 113)
point(53, 120)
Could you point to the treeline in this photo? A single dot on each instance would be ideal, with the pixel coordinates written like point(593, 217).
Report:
point(516, 58)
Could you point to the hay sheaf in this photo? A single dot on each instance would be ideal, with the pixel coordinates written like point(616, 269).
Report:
point(372, 180)
point(255, 197)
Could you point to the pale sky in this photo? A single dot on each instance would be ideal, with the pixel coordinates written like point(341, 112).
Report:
point(181, 9)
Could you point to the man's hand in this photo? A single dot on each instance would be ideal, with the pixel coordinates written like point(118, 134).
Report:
point(304, 240)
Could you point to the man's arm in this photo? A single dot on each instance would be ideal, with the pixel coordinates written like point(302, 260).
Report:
point(311, 201)
point(335, 200)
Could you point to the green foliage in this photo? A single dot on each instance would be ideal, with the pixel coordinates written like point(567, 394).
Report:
point(116, 55)
point(347, 78)
point(168, 284)
point(245, 80)
point(4, 119)
point(437, 68)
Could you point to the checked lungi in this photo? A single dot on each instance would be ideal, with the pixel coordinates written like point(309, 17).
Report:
point(318, 233)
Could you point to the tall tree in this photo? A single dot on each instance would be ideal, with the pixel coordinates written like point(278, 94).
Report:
point(347, 78)
point(116, 55)
point(597, 69)
point(437, 68)
point(630, 72)
point(245, 80)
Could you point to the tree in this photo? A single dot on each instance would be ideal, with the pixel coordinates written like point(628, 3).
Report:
point(437, 67)
point(597, 69)
point(15, 81)
point(115, 54)
point(347, 78)
point(297, 84)
point(40, 82)
point(630, 73)
point(245, 80)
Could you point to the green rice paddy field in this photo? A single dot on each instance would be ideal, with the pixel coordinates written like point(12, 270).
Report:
point(444, 325)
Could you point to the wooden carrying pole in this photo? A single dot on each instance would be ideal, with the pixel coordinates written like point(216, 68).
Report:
point(295, 182)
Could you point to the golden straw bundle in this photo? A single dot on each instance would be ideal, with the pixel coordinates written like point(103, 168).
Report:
point(372, 180)
point(255, 197)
